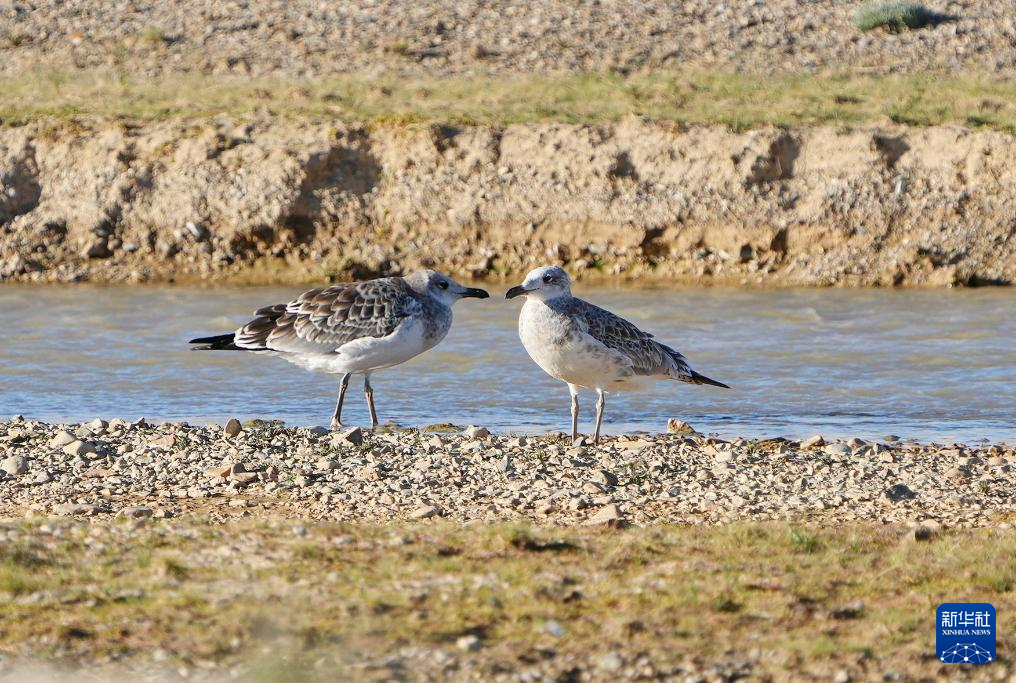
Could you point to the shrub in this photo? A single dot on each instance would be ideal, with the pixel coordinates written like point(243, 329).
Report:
point(894, 15)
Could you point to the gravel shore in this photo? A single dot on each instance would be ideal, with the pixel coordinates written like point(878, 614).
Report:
point(307, 38)
point(267, 470)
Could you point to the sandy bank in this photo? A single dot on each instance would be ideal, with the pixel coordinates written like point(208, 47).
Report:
point(273, 200)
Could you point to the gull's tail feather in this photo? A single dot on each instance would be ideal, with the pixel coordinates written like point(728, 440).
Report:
point(220, 342)
point(699, 378)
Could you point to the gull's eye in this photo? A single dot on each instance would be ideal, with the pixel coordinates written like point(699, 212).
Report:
point(442, 284)
point(548, 278)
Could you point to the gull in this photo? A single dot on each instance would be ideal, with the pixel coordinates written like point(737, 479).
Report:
point(351, 328)
point(586, 346)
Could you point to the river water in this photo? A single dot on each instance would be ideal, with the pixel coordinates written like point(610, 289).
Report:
point(936, 365)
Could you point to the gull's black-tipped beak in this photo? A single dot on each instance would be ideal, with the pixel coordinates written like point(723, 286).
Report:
point(475, 293)
point(515, 291)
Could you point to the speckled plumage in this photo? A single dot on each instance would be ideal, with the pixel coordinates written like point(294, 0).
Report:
point(356, 327)
point(587, 346)
point(642, 355)
point(323, 320)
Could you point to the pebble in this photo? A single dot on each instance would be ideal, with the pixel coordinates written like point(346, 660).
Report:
point(608, 515)
point(554, 628)
point(813, 442)
point(350, 437)
point(837, 449)
point(675, 426)
point(468, 643)
point(425, 512)
point(78, 447)
point(899, 492)
point(611, 662)
point(233, 427)
point(220, 472)
point(61, 439)
point(15, 465)
point(70, 509)
point(473, 432)
point(135, 512)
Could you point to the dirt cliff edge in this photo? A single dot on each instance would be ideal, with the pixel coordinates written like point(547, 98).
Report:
point(292, 201)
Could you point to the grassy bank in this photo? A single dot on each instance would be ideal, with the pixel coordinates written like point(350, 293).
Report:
point(296, 603)
point(740, 100)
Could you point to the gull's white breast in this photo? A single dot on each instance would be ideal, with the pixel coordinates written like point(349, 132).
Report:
point(566, 352)
point(371, 353)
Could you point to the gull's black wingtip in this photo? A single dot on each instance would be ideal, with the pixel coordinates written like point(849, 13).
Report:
point(699, 378)
point(220, 342)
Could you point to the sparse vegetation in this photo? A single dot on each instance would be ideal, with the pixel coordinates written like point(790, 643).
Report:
point(662, 592)
point(739, 100)
point(803, 540)
point(894, 15)
point(153, 36)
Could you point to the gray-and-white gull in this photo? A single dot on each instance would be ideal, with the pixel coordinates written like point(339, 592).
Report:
point(356, 327)
point(587, 346)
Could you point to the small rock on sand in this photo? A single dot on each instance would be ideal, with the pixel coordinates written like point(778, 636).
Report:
point(675, 426)
point(554, 628)
point(351, 437)
point(15, 465)
point(837, 449)
point(425, 512)
point(233, 427)
point(61, 439)
point(608, 515)
point(220, 472)
point(813, 442)
point(611, 661)
point(605, 477)
point(78, 447)
point(899, 492)
point(135, 512)
point(474, 432)
point(468, 643)
point(70, 509)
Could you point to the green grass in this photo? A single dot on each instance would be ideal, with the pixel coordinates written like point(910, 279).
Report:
point(894, 15)
point(225, 593)
point(738, 100)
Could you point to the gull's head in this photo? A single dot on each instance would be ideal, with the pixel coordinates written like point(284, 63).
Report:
point(443, 288)
point(546, 283)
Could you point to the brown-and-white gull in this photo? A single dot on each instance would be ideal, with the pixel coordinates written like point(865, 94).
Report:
point(351, 328)
point(587, 346)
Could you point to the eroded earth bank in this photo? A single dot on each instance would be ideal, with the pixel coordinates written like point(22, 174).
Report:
point(277, 200)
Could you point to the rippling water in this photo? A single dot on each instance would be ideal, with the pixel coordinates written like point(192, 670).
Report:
point(934, 365)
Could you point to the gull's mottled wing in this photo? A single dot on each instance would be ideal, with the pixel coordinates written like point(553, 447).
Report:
point(645, 355)
point(322, 320)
